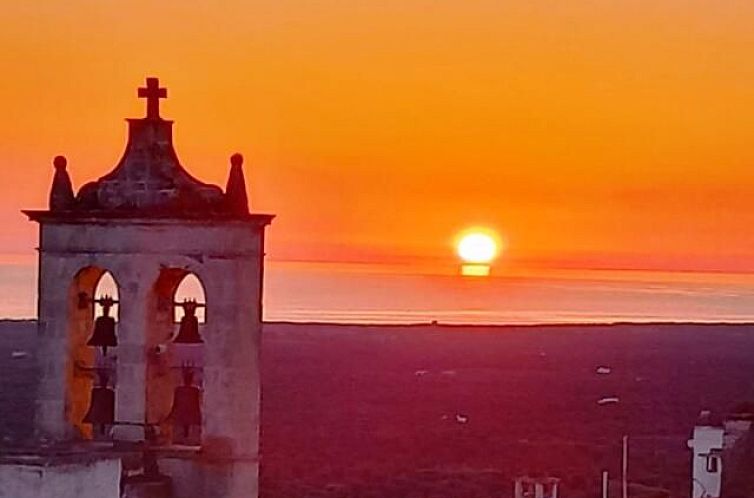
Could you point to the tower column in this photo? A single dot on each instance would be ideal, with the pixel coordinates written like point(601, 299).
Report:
point(130, 398)
point(52, 331)
point(231, 382)
point(232, 339)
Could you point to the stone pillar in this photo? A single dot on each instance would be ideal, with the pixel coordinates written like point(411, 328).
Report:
point(231, 375)
point(130, 391)
point(52, 347)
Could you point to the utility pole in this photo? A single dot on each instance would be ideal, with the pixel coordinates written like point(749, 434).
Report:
point(605, 484)
point(624, 477)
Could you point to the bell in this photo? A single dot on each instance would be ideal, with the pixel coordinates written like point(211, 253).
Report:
point(101, 411)
point(104, 327)
point(188, 331)
point(187, 406)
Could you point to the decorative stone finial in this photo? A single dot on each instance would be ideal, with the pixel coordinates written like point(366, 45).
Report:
point(61, 193)
point(60, 162)
point(236, 200)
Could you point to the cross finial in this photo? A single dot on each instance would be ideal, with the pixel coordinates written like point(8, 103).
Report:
point(153, 93)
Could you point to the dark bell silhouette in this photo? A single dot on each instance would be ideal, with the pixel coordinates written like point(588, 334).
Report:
point(101, 411)
point(188, 332)
point(187, 410)
point(104, 327)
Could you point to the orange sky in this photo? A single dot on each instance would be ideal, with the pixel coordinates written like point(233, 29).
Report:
point(588, 133)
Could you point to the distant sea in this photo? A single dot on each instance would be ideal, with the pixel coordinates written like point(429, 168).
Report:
point(326, 292)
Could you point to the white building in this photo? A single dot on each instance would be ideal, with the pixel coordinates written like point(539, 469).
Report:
point(706, 445)
point(536, 487)
point(714, 450)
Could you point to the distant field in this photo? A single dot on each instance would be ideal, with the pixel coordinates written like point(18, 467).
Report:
point(372, 411)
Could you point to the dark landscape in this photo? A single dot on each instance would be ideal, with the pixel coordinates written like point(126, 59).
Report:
point(449, 411)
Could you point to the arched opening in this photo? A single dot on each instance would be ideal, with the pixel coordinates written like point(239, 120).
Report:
point(175, 370)
point(92, 336)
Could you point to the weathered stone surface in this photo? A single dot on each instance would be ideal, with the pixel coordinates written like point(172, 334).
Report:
point(150, 178)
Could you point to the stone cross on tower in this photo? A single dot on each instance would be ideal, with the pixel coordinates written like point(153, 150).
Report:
point(153, 93)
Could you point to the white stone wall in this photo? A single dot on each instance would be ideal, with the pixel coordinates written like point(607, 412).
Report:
point(706, 440)
point(100, 479)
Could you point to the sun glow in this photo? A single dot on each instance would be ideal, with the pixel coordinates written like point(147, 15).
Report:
point(477, 247)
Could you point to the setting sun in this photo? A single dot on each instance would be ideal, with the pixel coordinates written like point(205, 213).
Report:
point(477, 247)
point(456, 215)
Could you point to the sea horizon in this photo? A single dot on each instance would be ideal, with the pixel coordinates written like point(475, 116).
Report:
point(322, 292)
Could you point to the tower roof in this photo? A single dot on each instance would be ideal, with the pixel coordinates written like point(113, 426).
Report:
point(149, 179)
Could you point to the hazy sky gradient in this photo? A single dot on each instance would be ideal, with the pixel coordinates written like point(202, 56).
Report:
point(588, 133)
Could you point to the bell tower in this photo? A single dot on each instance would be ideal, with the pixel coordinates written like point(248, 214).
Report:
point(141, 373)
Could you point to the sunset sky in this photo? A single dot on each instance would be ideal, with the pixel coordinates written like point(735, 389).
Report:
point(595, 134)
